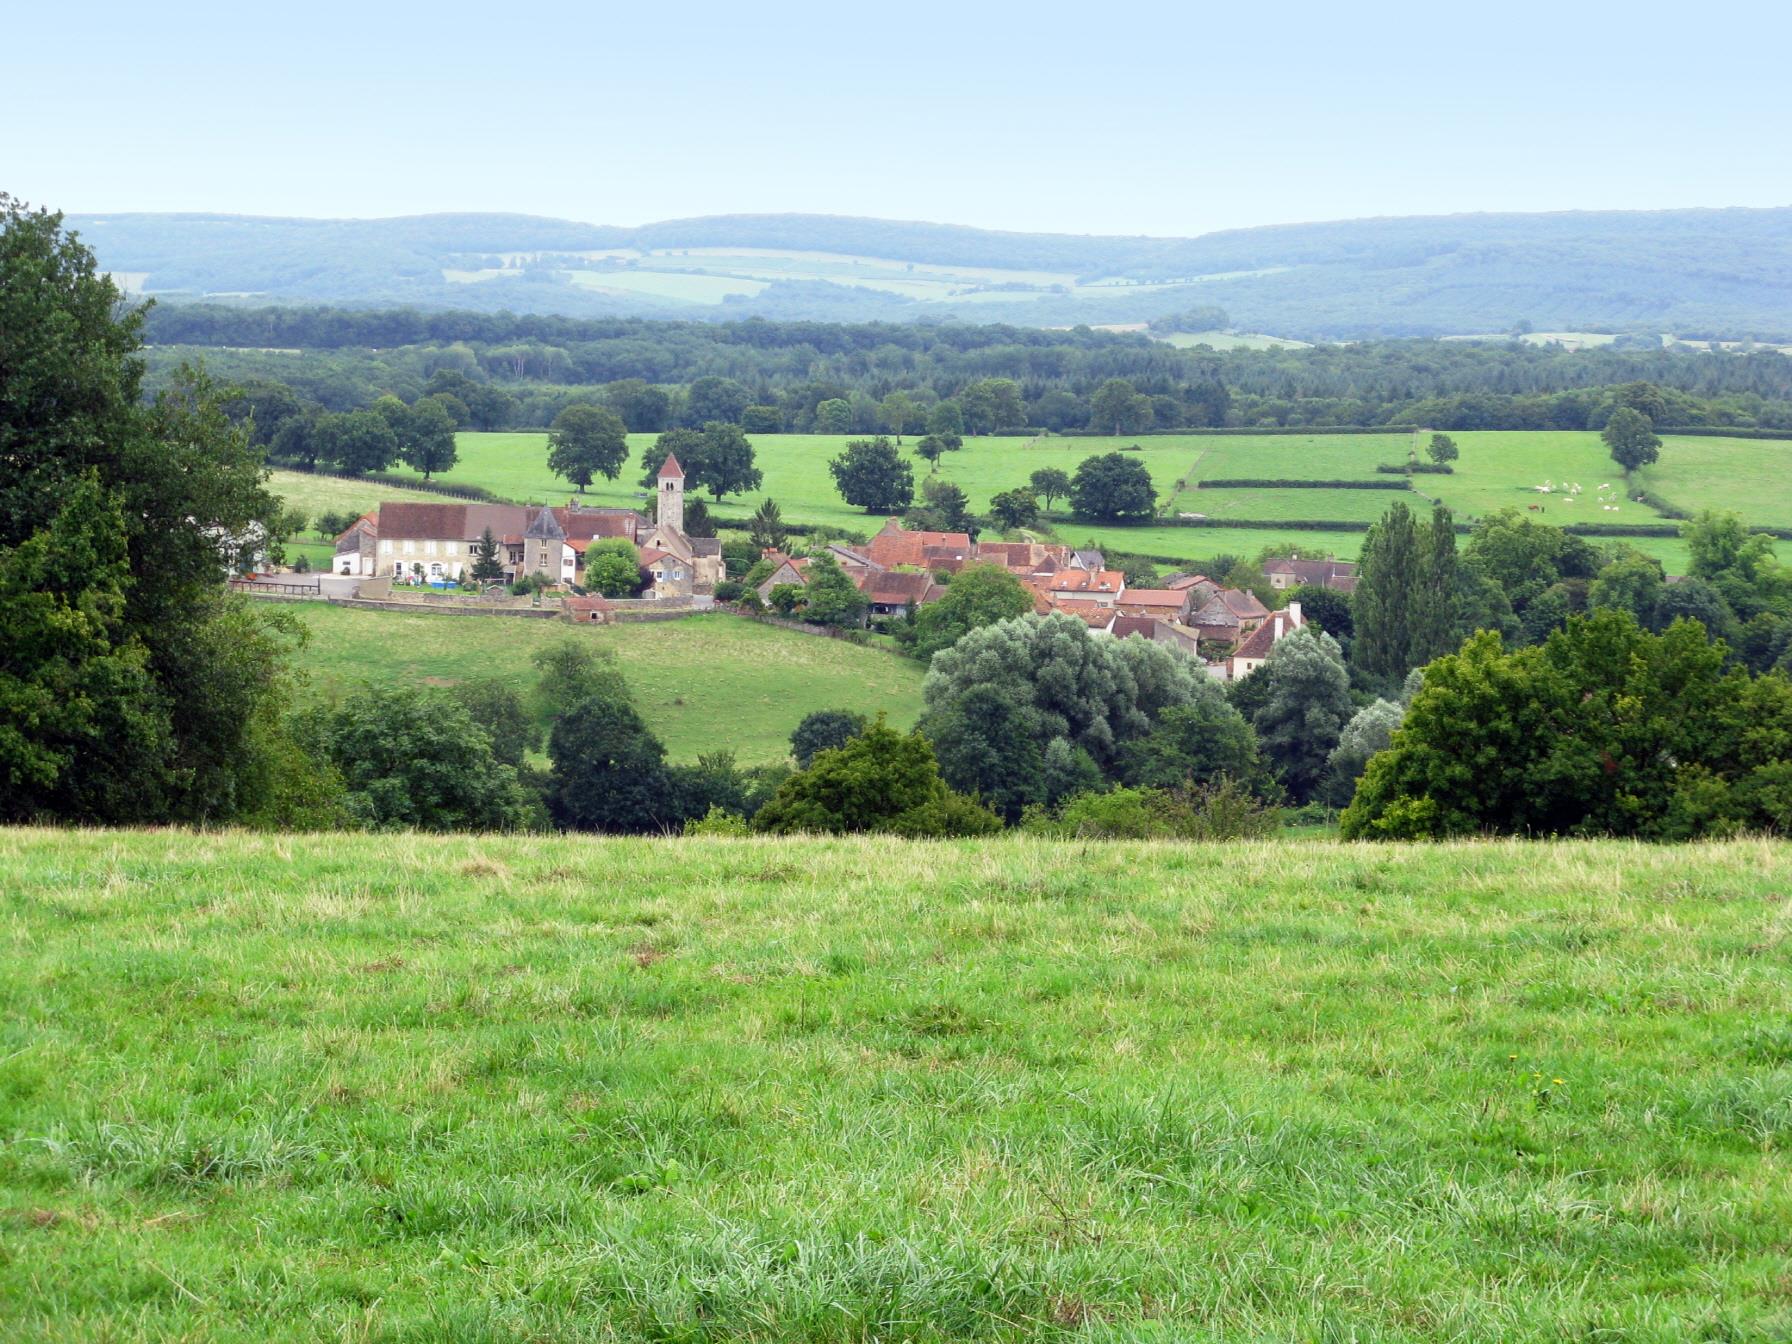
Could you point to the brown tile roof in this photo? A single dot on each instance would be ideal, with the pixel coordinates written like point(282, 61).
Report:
point(671, 470)
point(1135, 625)
point(1155, 597)
point(899, 588)
point(593, 602)
point(591, 523)
point(1261, 640)
point(1089, 613)
point(1182, 582)
point(422, 522)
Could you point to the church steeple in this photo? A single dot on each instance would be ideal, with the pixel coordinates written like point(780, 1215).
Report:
point(671, 505)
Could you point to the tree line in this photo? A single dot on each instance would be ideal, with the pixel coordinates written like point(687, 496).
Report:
point(805, 377)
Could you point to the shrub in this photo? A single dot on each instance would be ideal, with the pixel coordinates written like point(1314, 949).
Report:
point(1224, 810)
point(719, 821)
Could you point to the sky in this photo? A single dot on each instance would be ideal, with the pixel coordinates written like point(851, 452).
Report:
point(1115, 118)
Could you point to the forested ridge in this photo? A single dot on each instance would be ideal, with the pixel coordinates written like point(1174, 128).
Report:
point(1693, 272)
point(531, 366)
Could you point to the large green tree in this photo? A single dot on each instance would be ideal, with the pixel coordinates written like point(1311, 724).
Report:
point(414, 760)
point(830, 597)
point(978, 595)
point(609, 771)
point(587, 441)
point(1404, 611)
point(355, 442)
point(1096, 693)
point(1605, 729)
point(178, 486)
point(1305, 708)
point(872, 475)
point(1119, 408)
point(880, 780)
point(1051, 482)
point(423, 433)
point(1113, 487)
point(1194, 744)
point(1631, 439)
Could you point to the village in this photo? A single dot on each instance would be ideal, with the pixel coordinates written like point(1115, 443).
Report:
point(400, 546)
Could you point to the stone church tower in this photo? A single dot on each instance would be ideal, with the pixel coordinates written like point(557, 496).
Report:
point(671, 502)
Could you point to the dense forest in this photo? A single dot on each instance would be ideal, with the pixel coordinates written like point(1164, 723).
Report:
point(520, 371)
point(1693, 272)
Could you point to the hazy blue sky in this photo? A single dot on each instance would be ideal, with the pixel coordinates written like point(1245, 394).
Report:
point(1114, 118)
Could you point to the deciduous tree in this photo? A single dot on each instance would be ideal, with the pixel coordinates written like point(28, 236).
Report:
point(587, 441)
point(1113, 488)
point(871, 475)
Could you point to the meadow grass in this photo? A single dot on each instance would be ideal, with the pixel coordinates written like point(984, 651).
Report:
point(703, 684)
point(397, 1088)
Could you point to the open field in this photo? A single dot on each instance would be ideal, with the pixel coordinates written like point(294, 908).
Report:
point(1497, 470)
point(703, 684)
point(330, 494)
point(395, 1088)
point(1752, 476)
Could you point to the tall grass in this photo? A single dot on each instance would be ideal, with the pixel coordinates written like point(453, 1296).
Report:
point(482, 1089)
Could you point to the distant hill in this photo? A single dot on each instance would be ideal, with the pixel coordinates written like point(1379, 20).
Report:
point(1692, 272)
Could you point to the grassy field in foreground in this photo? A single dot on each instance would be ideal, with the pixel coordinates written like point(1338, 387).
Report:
point(471, 1089)
point(702, 684)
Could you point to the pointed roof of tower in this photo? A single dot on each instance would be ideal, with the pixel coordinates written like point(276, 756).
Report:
point(671, 470)
point(545, 527)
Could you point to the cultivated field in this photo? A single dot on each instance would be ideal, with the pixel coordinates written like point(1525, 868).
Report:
point(478, 1089)
point(702, 684)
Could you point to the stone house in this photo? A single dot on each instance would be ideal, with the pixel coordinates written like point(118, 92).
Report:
point(1338, 575)
point(1254, 651)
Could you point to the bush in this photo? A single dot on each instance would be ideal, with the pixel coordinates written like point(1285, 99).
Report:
point(729, 590)
point(1225, 810)
point(1415, 468)
point(719, 821)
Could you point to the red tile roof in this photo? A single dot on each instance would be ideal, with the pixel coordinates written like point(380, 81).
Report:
point(1260, 641)
point(671, 470)
point(895, 545)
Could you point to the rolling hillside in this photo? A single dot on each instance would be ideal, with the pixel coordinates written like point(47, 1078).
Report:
point(1693, 272)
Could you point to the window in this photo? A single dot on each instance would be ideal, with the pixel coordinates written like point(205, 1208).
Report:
point(385, 548)
point(410, 548)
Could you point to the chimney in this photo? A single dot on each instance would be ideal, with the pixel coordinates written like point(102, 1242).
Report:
point(1276, 637)
point(1294, 615)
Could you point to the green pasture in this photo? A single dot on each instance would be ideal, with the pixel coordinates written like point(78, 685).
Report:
point(1752, 476)
point(1497, 469)
point(471, 1089)
point(706, 683)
